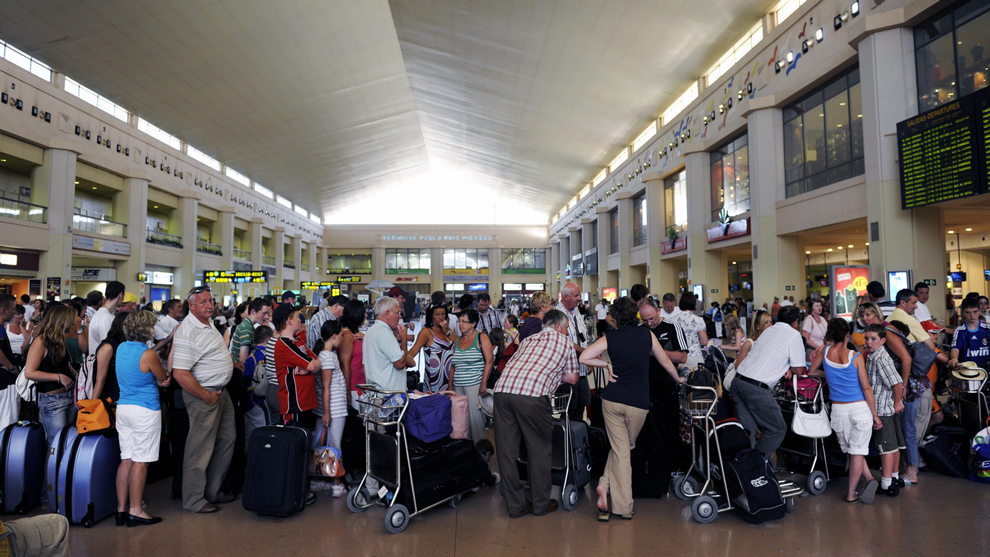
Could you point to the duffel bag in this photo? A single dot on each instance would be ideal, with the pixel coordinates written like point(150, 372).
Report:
point(429, 418)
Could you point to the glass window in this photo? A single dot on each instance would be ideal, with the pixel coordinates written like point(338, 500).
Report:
point(465, 258)
point(613, 237)
point(675, 201)
point(593, 240)
point(413, 261)
point(951, 54)
point(730, 177)
point(639, 220)
point(823, 136)
point(348, 263)
point(527, 260)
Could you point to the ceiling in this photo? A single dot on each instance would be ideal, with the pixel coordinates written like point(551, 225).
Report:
point(398, 112)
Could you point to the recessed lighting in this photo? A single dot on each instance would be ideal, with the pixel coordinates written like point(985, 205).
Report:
point(952, 232)
point(156, 206)
point(94, 187)
point(733, 262)
point(77, 182)
point(807, 253)
point(840, 247)
point(850, 245)
point(867, 243)
point(829, 249)
point(969, 230)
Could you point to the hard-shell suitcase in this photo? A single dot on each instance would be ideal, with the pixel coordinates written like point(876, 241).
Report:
point(87, 479)
point(63, 440)
point(22, 456)
point(276, 480)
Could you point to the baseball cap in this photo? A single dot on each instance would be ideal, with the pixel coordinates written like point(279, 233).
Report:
point(288, 294)
point(128, 298)
point(282, 313)
point(395, 291)
point(932, 327)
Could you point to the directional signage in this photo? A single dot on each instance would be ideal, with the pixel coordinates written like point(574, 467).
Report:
point(229, 277)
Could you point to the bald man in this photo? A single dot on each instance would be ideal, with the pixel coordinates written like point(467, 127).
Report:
point(577, 332)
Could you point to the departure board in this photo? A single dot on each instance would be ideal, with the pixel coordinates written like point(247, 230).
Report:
point(234, 277)
point(981, 99)
point(939, 155)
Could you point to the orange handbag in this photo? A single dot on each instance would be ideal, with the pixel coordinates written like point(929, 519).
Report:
point(95, 416)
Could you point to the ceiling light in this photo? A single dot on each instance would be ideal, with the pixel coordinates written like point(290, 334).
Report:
point(94, 187)
point(790, 56)
point(952, 232)
point(807, 253)
point(854, 9)
point(733, 262)
point(867, 243)
point(156, 206)
point(850, 245)
point(819, 34)
point(840, 247)
point(969, 230)
point(77, 182)
point(830, 249)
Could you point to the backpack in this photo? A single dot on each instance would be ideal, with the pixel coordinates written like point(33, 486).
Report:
point(257, 386)
point(753, 487)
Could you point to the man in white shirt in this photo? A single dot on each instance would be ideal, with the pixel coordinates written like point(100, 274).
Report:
point(669, 308)
point(99, 326)
point(601, 314)
point(28, 307)
point(779, 352)
point(922, 313)
point(169, 319)
point(784, 302)
point(385, 361)
point(577, 332)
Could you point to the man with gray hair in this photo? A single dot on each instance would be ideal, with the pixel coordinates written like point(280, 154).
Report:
point(385, 359)
point(522, 415)
point(577, 332)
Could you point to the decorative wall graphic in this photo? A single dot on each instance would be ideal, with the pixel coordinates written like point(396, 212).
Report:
point(726, 97)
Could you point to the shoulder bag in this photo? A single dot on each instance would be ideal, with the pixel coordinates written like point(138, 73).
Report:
point(807, 424)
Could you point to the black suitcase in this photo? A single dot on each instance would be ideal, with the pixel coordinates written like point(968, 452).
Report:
point(440, 470)
point(600, 447)
point(650, 459)
point(580, 454)
point(353, 444)
point(946, 451)
point(276, 481)
point(753, 487)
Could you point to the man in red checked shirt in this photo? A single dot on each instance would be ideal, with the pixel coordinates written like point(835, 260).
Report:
point(294, 367)
point(522, 412)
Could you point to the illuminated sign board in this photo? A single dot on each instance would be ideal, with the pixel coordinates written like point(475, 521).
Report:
point(349, 278)
point(309, 285)
point(230, 277)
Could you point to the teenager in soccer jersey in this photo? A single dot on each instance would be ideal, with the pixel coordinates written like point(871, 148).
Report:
point(971, 343)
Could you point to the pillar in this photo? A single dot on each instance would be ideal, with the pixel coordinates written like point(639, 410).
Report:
point(132, 205)
point(778, 264)
point(436, 269)
point(899, 239)
point(588, 281)
point(185, 275)
point(53, 186)
point(663, 273)
point(278, 241)
point(625, 239)
point(706, 267)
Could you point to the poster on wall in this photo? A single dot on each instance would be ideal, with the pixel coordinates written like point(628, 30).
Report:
point(34, 287)
point(53, 291)
point(610, 293)
point(847, 283)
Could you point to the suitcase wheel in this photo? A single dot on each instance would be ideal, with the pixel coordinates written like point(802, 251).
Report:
point(87, 523)
point(454, 501)
point(569, 497)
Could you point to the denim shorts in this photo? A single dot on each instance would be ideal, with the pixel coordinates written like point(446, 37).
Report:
point(54, 412)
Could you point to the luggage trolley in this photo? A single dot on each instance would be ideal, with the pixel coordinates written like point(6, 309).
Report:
point(812, 400)
point(561, 466)
point(387, 457)
point(712, 496)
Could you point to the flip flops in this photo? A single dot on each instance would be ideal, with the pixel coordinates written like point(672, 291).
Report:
point(870, 493)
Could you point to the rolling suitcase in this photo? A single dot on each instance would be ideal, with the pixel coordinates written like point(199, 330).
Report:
point(580, 454)
point(440, 470)
point(22, 456)
point(63, 440)
point(87, 479)
point(276, 481)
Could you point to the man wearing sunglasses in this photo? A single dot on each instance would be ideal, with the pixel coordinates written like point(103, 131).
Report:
point(202, 366)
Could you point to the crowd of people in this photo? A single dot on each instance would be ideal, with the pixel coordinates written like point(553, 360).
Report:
point(270, 361)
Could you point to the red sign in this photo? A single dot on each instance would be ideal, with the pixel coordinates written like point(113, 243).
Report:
point(610, 293)
point(668, 246)
point(725, 231)
point(850, 283)
point(406, 279)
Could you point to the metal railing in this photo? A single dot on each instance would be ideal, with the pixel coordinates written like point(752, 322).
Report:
point(289, 264)
point(305, 267)
point(206, 247)
point(163, 238)
point(267, 260)
point(241, 254)
point(12, 209)
point(82, 221)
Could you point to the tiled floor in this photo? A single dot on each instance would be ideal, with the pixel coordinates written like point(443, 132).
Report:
point(941, 516)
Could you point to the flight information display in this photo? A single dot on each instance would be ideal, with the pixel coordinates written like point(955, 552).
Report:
point(228, 277)
point(981, 99)
point(939, 153)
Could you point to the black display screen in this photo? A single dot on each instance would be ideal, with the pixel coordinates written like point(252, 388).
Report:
point(940, 155)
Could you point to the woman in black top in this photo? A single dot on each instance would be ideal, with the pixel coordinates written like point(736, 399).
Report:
point(105, 385)
point(48, 363)
point(626, 400)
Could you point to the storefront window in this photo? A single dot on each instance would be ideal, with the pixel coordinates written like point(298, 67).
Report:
point(639, 220)
point(349, 263)
point(407, 261)
point(951, 56)
point(823, 136)
point(469, 258)
point(730, 177)
point(524, 260)
point(675, 202)
point(613, 237)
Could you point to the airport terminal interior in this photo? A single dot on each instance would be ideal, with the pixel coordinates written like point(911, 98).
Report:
point(744, 151)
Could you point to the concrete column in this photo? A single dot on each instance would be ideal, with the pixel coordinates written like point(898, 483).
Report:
point(588, 281)
point(899, 239)
point(312, 260)
point(53, 186)
point(378, 263)
point(133, 202)
point(663, 273)
point(278, 242)
point(778, 263)
point(436, 269)
point(626, 278)
point(554, 264)
point(575, 241)
point(605, 278)
point(295, 244)
point(254, 231)
point(224, 237)
point(185, 275)
point(707, 267)
point(495, 274)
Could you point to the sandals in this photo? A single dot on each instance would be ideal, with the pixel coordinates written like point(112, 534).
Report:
point(870, 492)
point(603, 515)
point(856, 500)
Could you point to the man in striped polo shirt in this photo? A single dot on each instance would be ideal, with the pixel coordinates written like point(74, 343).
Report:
point(203, 366)
point(522, 412)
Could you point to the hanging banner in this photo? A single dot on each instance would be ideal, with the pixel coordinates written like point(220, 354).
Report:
point(846, 284)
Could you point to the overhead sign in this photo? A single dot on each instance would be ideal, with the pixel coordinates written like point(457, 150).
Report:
point(349, 278)
point(162, 278)
point(670, 246)
point(97, 244)
point(229, 277)
point(311, 285)
point(455, 272)
point(99, 274)
point(733, 229)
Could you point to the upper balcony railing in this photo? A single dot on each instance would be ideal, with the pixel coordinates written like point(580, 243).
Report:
point(206, 247)
point(162, 238)
point(242, 255)
point(85, 221)
point(19, 210)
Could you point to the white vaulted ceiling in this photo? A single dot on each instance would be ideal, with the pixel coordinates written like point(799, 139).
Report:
point(408, 111)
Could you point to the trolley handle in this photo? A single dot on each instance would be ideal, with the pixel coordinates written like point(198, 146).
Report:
point(367, 387)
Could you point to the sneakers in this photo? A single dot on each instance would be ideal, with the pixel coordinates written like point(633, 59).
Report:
point(338, 490)
point(891, 491)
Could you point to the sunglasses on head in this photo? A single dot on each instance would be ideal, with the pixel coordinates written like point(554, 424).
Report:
point(201, 289)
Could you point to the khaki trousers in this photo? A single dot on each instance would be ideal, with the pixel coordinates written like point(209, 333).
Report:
point(622, 423)
point(209, 447)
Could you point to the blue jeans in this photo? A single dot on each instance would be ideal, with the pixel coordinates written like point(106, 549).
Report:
point(910, 424)
point(54, 411)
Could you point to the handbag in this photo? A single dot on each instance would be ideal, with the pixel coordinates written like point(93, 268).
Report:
point(703, 377)
point(25, 386)
point(806, 424)
point(922, 357)
point(730, 374)
point(459, 420)
point(327, 460)
point(95, 416)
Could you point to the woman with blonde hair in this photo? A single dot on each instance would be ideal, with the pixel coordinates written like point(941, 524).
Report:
point(139, 415)
point(734, 335)
point(761, 321)
point(539, 305)
point(48, 362)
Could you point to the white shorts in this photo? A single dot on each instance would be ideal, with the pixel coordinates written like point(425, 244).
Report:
point(140, 432)
point(853, 426)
